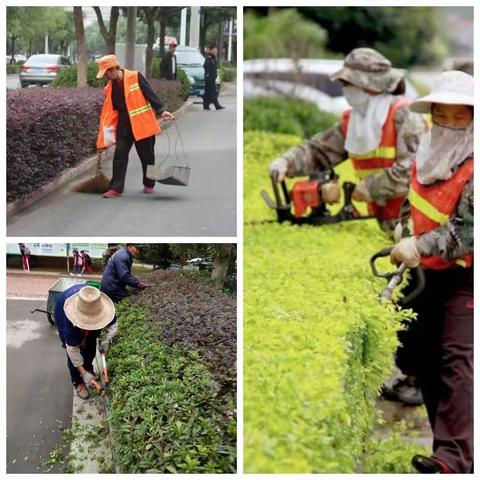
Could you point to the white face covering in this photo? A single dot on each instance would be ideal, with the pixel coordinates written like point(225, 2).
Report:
point(441, 150)
point(367, 119)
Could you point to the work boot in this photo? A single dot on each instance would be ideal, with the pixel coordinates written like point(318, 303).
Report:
point(82, 391)
point(403, 390)
point(219, 107)
point(111, 194)
point(430, 465)
point(147, 189)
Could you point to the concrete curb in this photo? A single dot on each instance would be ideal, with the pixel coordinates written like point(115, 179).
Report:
point(51, 274)
point(71, 174)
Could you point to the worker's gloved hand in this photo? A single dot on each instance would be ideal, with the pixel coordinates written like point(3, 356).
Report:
point(109, 336)
point(167, 116)
point(142, 285)
point(397, 232)
point(406, 251)
point(361, 194)
point(87, 378)
point(278, 169)
point(331, 192)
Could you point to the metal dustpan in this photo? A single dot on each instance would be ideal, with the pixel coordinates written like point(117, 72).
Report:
point(171, 172)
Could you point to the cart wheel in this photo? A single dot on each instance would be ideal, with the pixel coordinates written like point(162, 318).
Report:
point(51, 321)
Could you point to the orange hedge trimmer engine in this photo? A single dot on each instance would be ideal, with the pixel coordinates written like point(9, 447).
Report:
point(304, 203)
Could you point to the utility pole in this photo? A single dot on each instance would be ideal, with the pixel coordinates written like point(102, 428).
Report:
point(194, 40)
point(230, 35)
point(183, 27)
point(46, 43)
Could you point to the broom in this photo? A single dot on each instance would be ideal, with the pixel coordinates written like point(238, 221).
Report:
point(98, 183)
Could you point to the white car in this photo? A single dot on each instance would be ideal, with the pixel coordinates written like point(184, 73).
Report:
point(307, 79)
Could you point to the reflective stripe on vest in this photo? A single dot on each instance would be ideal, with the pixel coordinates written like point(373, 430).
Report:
point(142, 118)
point(380, 158)
point(432, 205)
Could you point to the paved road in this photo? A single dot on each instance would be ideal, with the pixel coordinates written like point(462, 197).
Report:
point(39, 392)
point(207, 207)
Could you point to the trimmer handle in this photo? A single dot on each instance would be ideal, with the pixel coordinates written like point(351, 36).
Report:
point(381, 254)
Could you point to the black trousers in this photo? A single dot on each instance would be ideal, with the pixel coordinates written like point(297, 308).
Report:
point(438, 349)
point(210, 96)
point(146, 151)
point(88, 351)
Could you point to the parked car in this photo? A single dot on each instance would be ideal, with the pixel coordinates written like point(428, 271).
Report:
point(42, 69)
point(190, 60)
point(307, 79)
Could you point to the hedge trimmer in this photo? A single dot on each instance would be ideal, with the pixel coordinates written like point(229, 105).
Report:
point(303, 204)
point(395, 278)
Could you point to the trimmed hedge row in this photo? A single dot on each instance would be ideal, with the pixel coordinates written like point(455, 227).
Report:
point(318, 344)
point(166, 416)
point(48, 130)
point(285, 115)
point(67, 77)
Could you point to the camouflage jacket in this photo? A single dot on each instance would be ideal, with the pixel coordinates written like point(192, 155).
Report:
point(327, 149)
point(452, 240)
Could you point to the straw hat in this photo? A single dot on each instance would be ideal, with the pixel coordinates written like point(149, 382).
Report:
point(89, 309)
point(451, 88)
point(106, 62)
point(369, 69)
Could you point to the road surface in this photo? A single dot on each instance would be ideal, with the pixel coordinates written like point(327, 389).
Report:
point(207, 207)
point(13, 81)
point(39, 392)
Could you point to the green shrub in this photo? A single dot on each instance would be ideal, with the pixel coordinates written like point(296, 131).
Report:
point(228, 73)
point(318, 343)
point(285, 115)
point(67, 77)
point(165, 415)
point(13, 68)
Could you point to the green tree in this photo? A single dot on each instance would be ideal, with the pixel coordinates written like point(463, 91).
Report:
point(406, 35)
point(282, 33)
point(110, 34)
point(212, 20)
point(157, 254)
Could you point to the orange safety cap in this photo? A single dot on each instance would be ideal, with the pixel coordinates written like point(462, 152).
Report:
point(106, 62)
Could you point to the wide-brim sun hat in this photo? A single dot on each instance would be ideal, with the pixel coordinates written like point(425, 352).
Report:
point(106, 62)
point(89, 309)
point(450, 88)
point(366, 68)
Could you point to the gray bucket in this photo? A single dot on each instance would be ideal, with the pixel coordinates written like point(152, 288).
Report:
point(169, 174)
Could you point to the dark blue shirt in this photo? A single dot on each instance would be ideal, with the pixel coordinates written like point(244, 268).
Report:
point(68, 332)
point(117, 275)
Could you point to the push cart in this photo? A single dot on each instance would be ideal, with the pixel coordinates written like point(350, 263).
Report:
point(57, 289)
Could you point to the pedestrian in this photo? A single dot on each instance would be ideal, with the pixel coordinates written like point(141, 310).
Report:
point(128, 118)
point(168, 66)
point(76, 268)
point(118, 273)
point(81, 313)
point(379, 134)
point(87, 263)
point(210, 67)
point(437, 230)
point(25, 253)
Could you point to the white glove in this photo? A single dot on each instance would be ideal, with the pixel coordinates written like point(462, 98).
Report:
point(331, 192)
point(109, 336)
point(278, 169)
point(406, 251)
point(361, 193)
point(397, 232)
point(87, 378)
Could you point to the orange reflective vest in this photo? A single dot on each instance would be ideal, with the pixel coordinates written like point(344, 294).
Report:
point(380, 158)
point(142, 117)
point(432, 205)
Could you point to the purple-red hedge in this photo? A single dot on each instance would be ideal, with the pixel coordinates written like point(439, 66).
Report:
point(48, 130)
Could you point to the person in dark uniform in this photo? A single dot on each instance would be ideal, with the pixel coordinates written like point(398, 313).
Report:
point(168, 67)
point(127, 120)
point(118, 273)
point(210, 67)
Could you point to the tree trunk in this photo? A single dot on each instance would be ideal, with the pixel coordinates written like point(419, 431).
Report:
point(81, 50)
point(12, 58)
point(109, 35)
point(219, 44)
point(150, 17)
point(130, 48)
point(221, 263)
point(163, 26)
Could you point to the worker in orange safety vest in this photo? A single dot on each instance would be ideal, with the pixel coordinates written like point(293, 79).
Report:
point(127, 118)
point(437, 231)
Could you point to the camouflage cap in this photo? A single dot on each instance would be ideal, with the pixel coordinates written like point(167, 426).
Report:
point(367, 68)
